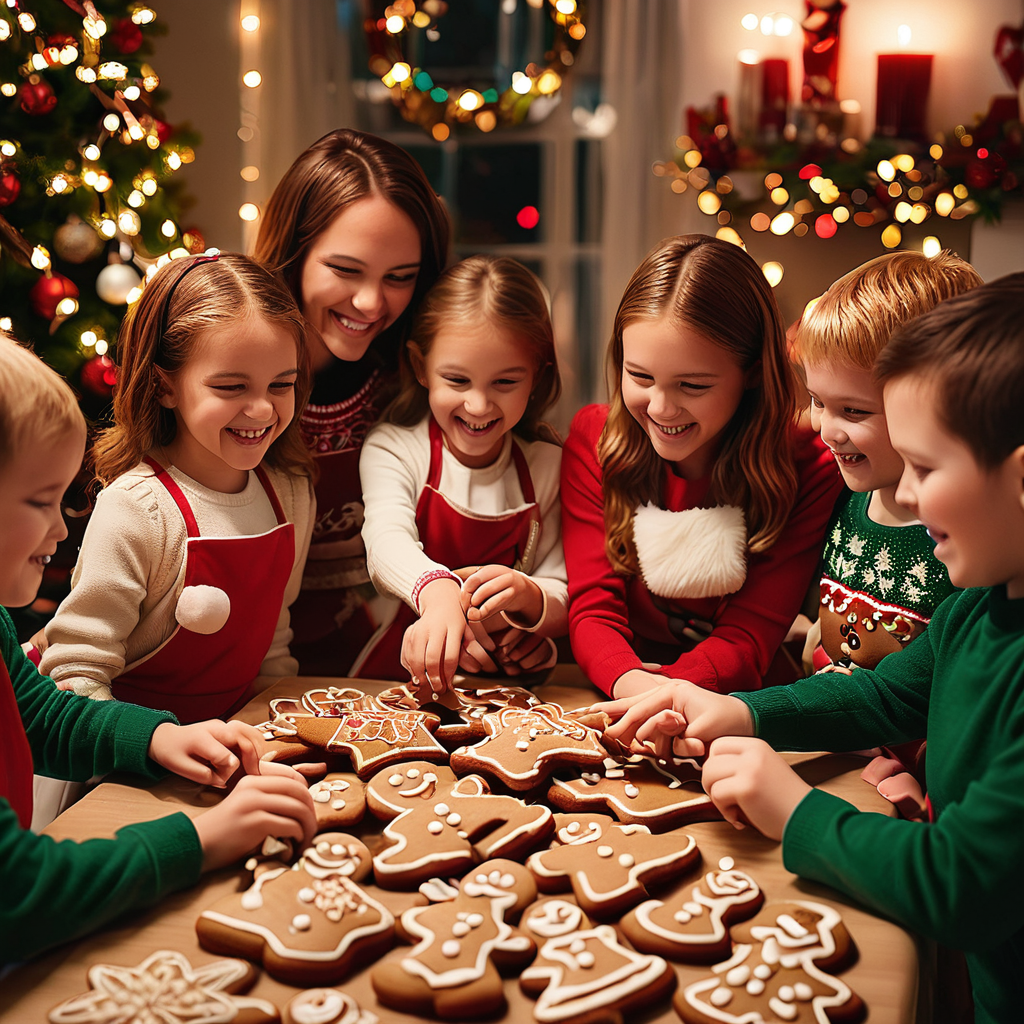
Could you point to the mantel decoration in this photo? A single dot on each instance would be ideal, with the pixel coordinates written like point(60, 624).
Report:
point(424, 97)
point(815, 175)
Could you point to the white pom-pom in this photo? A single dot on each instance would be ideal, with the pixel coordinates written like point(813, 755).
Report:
point(203, 609)
point(701, 552)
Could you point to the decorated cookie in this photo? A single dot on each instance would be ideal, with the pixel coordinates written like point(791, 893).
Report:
point(339, 800)
point(639, 790)
point(462, 938)
point(440, 825)
point(583, 972)
point(309, 924)
point(777, 972)
point(524, 745)
point(462, 723)
point(693, 926)
point(166, 987)
point(608, 865)
point(326, 1006)
point(347, 721)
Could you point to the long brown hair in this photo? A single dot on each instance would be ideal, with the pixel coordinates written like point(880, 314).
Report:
point(336, 171)
point(184, 299)
point(714, 288)
point(497, 292)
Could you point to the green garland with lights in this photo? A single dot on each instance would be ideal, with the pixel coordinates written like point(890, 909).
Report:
point(438, 106)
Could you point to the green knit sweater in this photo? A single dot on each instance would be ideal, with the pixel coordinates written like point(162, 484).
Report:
point(958, 880)
point(51, 892)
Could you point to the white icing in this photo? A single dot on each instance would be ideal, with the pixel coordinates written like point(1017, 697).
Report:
point(786, 993)
point(727, 863)
point(302, 922)
point(586, 959)
point(252, 899)
point(803, 991)
point(630, 790)
point(787, 1011)
point(627, 860)
point(522, 745)
point(693, 908)
point(321, 796)
point(441, 809)
point(755, 987)
point(738, 975)
point(454, 819)
point(337, 805)
point(604, 851)
point(395, 780)
point(306, 895)
point(556, 917)
point(475, 920)
point(762, 971)
point(434, 827)
point(682, 916)
point(721, 996)
point(450, 948)
point(792, 927)
point(460, 929)
point(413, 773)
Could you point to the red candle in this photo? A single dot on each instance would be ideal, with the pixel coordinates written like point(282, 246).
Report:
point(774, 92)
point(901, 98)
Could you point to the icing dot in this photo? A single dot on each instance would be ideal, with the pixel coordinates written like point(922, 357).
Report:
point(787, 1011)
point(577, 946)
point(682, 917)
point(522, 745)
point(507, 881)
point(720, 997)
point(786, 993)
point(454, 819)
point(762, 971)
point(434, 827)
point(755, 987)
point(321, 796)
point(573, 827)
point(337, 849)
point(480, 879)
point(333, 914)
point(307, 895)
point(462, 835)
point(252, 900)
point(631, 790)
point(323, 848)
point(694, 908)
point(586, 959)
point(412, 773)
point(738, 975)
point(604, 851)
point(616, 773)
point(441, 809)
point(250, 864)
point(338, 805)
point(451, 948)
point(803, 991)
point(627, 860)
point(534, 734)
point(395, 780)
point(494, 877)
point(460, 928)
point(727, 863)
point(300, 922)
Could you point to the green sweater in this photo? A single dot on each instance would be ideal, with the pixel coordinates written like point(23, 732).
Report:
point(51, 892)
point(958, 880)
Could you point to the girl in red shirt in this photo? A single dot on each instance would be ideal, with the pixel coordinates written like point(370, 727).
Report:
point(693, 507)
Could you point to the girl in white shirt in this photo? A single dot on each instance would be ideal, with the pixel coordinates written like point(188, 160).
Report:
point(460, 486)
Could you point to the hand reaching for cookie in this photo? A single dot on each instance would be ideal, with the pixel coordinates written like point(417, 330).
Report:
point(432, 645)
point(496, 588)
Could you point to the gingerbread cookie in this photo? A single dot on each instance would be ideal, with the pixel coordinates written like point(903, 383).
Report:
point(584, 972)
point(524, 745)
point(639, 790)
point(440, 825)
point(347, 721)
point(462, 938)
point(693, 926)
point(326, 1006)
point(339, 800)
point(777, 972)
point(309, 924)
point(166, 987)
point(609, 865)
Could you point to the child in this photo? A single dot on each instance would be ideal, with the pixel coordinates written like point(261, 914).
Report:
point(953, 384)
point(196, 545)
point(463, 474)
point(881, 581)
point(357, 234)
point(693, 508)
point(52, 891)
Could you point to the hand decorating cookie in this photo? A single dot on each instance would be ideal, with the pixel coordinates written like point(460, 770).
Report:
point(608, 865)
point(441, 826)
point(777, 972)
point(583, 972)
point(693, 924)
point(166, 987)
point(310, 924)
point(326, 1006)
point(462, 938)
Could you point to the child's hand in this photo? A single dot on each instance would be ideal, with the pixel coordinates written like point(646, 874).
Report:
point(432, 645)
point(497, 588)
point(638, 681)
point(522, 651)
point(478, 649)
point(276, 803)
point(750, 784)
point(208, 752)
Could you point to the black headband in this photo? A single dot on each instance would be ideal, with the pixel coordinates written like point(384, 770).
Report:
point(207, 257)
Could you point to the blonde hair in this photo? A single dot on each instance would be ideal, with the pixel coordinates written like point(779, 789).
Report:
point(183, 300)
point(716, 289)
point(37, 407)
point(494, 291)
point(854, 319)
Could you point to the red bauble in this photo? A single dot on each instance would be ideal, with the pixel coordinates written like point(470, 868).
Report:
point(37, 97)
point(10, 187)
point(47, 292)
point(193, 240)
point(99, 375)
point(979, 174)
point(163, 130)
point(127, 36)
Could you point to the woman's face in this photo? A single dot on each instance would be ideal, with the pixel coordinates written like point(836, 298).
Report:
point(358, 277)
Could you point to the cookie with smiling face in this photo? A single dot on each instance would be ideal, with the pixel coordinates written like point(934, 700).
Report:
point(440, 826)
point(339, 800)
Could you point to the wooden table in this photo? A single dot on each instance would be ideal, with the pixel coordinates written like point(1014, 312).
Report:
point(885, 975)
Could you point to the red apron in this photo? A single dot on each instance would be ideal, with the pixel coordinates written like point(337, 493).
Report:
point(15, 753)
point(197, 676)
point(456, 537)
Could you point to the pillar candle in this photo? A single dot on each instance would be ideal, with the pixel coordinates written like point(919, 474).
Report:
point(748, 103)
point(774, 93)
point(901, 97)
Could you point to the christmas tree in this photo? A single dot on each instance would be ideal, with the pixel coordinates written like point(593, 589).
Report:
point(88, 202)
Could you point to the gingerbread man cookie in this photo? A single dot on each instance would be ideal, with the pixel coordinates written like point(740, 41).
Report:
point(639, 790)
point(339, 800)
point(166, 987)
point(442, 826)
point(693, 926)
point(524, 745)
point(584, 972)
point(777, 972)
point(309, 924)
point(326, 1006)
point(461, 940)
point(609, 865)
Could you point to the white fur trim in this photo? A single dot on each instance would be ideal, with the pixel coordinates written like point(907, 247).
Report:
point(701, 552)
point(203, 609)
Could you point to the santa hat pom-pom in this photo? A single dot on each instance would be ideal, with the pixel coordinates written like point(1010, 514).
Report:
point(203, 609)
point(701, 552)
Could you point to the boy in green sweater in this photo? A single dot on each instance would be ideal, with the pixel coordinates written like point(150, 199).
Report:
point(51, 892)
point(953, 390)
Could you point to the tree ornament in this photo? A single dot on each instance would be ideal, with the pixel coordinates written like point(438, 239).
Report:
point(126, 36)
point(10, 187)
point(193, 240)
point(99, 376)
point(47, 292)
point(115, 281)
point(76, 242)
point(37, 97)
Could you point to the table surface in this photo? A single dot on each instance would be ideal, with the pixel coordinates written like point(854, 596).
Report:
point(885, 974)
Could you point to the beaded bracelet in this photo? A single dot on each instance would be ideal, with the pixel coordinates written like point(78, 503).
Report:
point(429, 577)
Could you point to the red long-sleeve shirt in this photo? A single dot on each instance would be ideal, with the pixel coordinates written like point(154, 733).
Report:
point(613, 623)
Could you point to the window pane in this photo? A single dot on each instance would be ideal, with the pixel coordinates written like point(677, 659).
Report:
point(496, 198)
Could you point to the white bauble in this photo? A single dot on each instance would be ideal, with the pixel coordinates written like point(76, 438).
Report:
point(115, 281)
